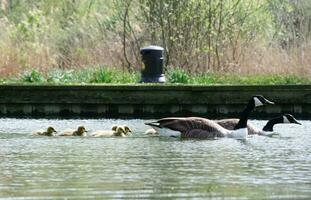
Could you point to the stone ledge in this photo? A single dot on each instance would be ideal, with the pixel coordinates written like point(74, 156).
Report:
point(149, 101)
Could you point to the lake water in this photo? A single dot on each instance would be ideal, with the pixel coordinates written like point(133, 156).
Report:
point(141, 167)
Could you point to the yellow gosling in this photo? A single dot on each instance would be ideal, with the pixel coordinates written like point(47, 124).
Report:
point(151, 132)
point(126, 129)
point(116, 131)
point(81, 131)
point(49, 132)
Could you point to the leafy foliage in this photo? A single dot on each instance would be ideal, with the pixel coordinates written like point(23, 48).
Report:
point(199, 36)
point(32, 77)
point(178, 75)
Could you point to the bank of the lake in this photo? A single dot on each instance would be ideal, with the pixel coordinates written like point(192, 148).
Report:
point(149, 101)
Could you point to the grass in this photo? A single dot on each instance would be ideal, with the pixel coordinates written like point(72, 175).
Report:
point(250, 79)
point(105, 75)
point(261, 37)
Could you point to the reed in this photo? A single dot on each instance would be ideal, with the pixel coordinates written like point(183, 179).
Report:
point(238, 37)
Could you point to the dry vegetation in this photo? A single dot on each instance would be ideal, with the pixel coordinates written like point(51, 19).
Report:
point(203, 36)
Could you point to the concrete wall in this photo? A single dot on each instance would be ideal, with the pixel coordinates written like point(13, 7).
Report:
point(149, 101)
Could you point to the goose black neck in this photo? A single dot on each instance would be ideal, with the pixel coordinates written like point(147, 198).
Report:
point(244, 115)
point(271, 123)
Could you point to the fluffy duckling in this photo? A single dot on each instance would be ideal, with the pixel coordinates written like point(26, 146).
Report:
point(49, 132)
point(118, 131)
point(70, 132)
point(151, 132)
point(126, 129)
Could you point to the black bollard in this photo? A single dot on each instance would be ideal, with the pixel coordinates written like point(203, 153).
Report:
point(152, 70)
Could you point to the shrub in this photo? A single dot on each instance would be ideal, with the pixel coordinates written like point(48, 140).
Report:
point(32, 77)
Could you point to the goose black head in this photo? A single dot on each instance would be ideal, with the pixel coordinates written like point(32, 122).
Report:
point(288, 118)
point(260, 101)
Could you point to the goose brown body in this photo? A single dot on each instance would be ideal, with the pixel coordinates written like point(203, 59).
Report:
point(197, 127)
point(192, 127)
point(231, 123)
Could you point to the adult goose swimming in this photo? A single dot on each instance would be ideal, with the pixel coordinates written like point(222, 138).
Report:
point(267, 130)
point(197, 127)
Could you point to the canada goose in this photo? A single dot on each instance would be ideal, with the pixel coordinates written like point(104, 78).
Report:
point(70, 132)
point(196, 127)
point(115, 131)
point(49, 132)
point(267, 129)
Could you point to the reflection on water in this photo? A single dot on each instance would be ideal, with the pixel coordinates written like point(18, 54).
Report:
point(151, 167)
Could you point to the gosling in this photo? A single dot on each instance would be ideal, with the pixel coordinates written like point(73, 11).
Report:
point(49, 132)
point(126, 129)
point(116, 131)
point(151, 132)
point(81, 131)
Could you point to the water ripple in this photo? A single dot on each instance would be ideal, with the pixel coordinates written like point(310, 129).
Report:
point(143, 167)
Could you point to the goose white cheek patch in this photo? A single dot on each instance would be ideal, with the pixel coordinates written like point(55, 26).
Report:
point(257, 102)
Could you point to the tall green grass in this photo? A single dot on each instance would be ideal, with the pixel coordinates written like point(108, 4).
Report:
point(231, 79)
point(96, 75)
point(106, 75)
point(182, 77)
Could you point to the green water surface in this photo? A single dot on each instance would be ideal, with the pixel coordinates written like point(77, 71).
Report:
point(141, 167)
